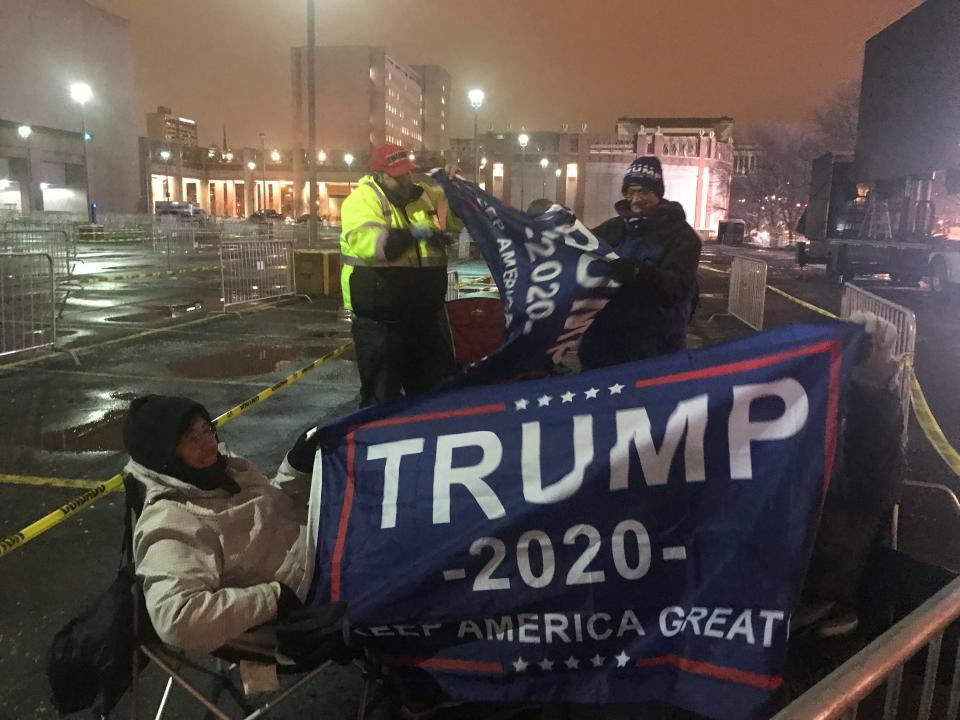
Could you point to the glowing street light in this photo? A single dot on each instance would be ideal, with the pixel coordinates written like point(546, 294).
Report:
point(524, 140)
point(413, 158)
point(24, 131)
point(81, 93)
point(322, 156)
point(476, 97)
point(251, 166)
point(544, 163)
point(348, 159)
point(275, 156)
point(558, 172)
point(165, 155)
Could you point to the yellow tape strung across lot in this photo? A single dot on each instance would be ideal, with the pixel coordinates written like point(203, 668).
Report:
point(918, 401)
point(19, 539)
point(45, 481)
point(928, 423)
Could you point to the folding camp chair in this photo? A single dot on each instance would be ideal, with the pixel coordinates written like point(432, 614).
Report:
point(476, 327)
point(226, 665)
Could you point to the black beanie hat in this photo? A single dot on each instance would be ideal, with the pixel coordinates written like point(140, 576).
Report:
point(647, 173)
point(153, 428)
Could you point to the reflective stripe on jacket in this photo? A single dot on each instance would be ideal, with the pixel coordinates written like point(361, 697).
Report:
point(367, 216)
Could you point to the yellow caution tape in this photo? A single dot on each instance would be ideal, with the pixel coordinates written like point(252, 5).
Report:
point(918, 401)
point(18, 539)
point(802, 303)
point(46, 481)
point(928, 423)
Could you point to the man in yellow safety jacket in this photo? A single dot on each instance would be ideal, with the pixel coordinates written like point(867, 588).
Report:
point(394, 278)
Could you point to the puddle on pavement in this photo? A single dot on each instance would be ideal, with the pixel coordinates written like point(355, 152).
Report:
point(160, 312)
point(247, 361)
point(103, 435)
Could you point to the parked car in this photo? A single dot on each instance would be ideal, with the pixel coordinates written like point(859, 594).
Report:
point(268, 215)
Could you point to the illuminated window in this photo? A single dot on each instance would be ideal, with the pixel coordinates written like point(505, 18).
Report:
point(572, 170)
point(498, 170)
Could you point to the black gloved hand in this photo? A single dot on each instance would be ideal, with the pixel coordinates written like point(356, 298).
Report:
point(288, 604)
point(315, 635)
point(438, 240)
point(302, 454)
point(623, 271)
point(398, 242)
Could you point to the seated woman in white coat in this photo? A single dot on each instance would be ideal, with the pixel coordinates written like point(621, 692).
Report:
point(220, 549)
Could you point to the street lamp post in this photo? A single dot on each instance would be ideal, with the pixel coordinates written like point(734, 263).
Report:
point(348, 159)
point(556, 189)
point(263, 171)
point(25, 131)
point(544, 163)
point(476, 97)
point(165, 156)
point(524, 140)
point(312, 120)
point(81, 94)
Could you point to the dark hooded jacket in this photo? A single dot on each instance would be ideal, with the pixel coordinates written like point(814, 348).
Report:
point(649, 314)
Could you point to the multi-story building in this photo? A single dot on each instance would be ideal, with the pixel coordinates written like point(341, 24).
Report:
point(47, 45)
point(721, 127)
point(366, 97)
point(237, 182)
point(164, 125)
point(584, 171)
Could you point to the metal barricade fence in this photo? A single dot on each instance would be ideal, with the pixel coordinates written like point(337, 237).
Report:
point(27, 302)
point(748, 291)
point(882, 661)
point(903, 319)
point(255, 270)
point(453, 285)
point(52, 242)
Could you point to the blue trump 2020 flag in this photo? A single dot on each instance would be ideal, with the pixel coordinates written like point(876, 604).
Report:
point(623, 535)
point(552, 273)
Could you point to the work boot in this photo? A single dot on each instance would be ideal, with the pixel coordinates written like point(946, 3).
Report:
point(841, 622)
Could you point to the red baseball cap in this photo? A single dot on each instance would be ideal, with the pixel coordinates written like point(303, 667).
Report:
point(391, 159)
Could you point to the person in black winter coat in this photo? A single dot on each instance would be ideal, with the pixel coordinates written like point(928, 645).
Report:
point(659, 254)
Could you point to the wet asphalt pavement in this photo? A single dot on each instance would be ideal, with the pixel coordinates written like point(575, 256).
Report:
point(61, 420)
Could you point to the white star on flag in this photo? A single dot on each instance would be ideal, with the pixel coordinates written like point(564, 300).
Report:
point(520, 665)
point(616, 389)
point(567, 397)
point(544, 400)
point(597, 660)
point(622, 659)
point(521, 404)
point(546, 664)
point(572, 663)
point(591, 393)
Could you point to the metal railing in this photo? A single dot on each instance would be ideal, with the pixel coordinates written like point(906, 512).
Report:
point(840, 693)
point(453, 285)
point(28, 304)
point(49, 241)
point(255, 270)
point(748, 291)
point(856, 299)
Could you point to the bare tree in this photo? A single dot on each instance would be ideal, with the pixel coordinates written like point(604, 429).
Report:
point(772, 197)
point(836, 120)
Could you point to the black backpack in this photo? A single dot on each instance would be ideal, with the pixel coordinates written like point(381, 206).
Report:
point(91, 659)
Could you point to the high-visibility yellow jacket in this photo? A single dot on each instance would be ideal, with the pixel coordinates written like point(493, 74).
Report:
point(414, 282)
